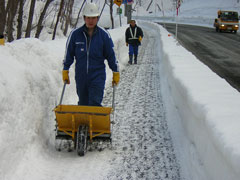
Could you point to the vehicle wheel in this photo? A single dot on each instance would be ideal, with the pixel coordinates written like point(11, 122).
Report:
point(81, 143)
point(235, 32)
point(217, 29)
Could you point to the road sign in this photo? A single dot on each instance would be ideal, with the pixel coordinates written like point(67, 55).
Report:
point(124, 2)
point(118, 2)
point(129, 2)
point(119, 10)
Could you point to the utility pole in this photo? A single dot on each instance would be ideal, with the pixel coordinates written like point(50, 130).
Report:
point(128, 10)
point(178, 4)
point(120, 12)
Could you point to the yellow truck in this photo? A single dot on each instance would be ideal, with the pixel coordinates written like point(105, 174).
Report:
point(227, 21)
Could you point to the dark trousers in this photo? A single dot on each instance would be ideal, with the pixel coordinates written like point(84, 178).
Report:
point(133, 50)
point(89, 95)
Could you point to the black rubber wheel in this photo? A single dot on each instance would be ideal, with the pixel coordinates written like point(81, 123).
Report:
point(81, 144)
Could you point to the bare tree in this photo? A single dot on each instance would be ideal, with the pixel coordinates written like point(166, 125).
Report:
point(41, 18)
point(136, 5)
point(55, 13)
point(159, 8)
point(111, 13)
point(6, 17)
point(149, 5)
point(75, 25)
point(68, 16)
point(2, 17)
point(103, 8)
point(63, 14)
point(30, 18)
point(11, 14)
point(20, 20)
point(58, 17)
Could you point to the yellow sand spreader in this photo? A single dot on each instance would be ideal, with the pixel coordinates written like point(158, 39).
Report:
point(82, 124)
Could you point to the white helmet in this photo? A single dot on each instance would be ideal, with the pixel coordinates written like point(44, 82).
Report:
point(90, 10)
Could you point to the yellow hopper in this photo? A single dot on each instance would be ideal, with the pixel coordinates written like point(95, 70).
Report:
point(70, 117)
point(82, 123)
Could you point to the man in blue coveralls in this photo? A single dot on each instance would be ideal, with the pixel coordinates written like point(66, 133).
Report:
point(90, 45)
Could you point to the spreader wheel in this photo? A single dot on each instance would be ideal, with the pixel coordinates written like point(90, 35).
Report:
point(81, 144)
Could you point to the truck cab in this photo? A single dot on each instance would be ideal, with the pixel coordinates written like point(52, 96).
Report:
point(227, 21)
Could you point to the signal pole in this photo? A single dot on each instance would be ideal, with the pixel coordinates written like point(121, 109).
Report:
point(178, 3)
point(128, 10)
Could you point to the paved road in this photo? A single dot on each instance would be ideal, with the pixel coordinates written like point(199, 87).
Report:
point(219, 51)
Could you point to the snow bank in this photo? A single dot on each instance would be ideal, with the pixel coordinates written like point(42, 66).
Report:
point(31, 83)
point(208, 106)
point(29, 87)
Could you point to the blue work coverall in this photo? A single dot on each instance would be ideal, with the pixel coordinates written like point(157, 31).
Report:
point(90, 54)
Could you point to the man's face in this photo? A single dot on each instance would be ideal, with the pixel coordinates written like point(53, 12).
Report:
point(91, 22)
point(132, 23)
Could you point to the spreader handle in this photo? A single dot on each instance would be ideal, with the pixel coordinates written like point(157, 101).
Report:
point(62, 92)
point(113, 99)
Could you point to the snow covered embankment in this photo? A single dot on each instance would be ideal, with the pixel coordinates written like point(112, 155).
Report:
point(208, 106)
point(30, 86)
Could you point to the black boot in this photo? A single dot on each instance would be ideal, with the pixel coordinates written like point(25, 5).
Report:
point(135, 59)
point(130, 59)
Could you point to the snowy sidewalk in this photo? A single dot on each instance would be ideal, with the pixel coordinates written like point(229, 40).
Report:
point(144, 148)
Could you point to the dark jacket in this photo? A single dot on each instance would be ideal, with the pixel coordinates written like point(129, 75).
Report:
point(132, 34)
point(90, 55)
